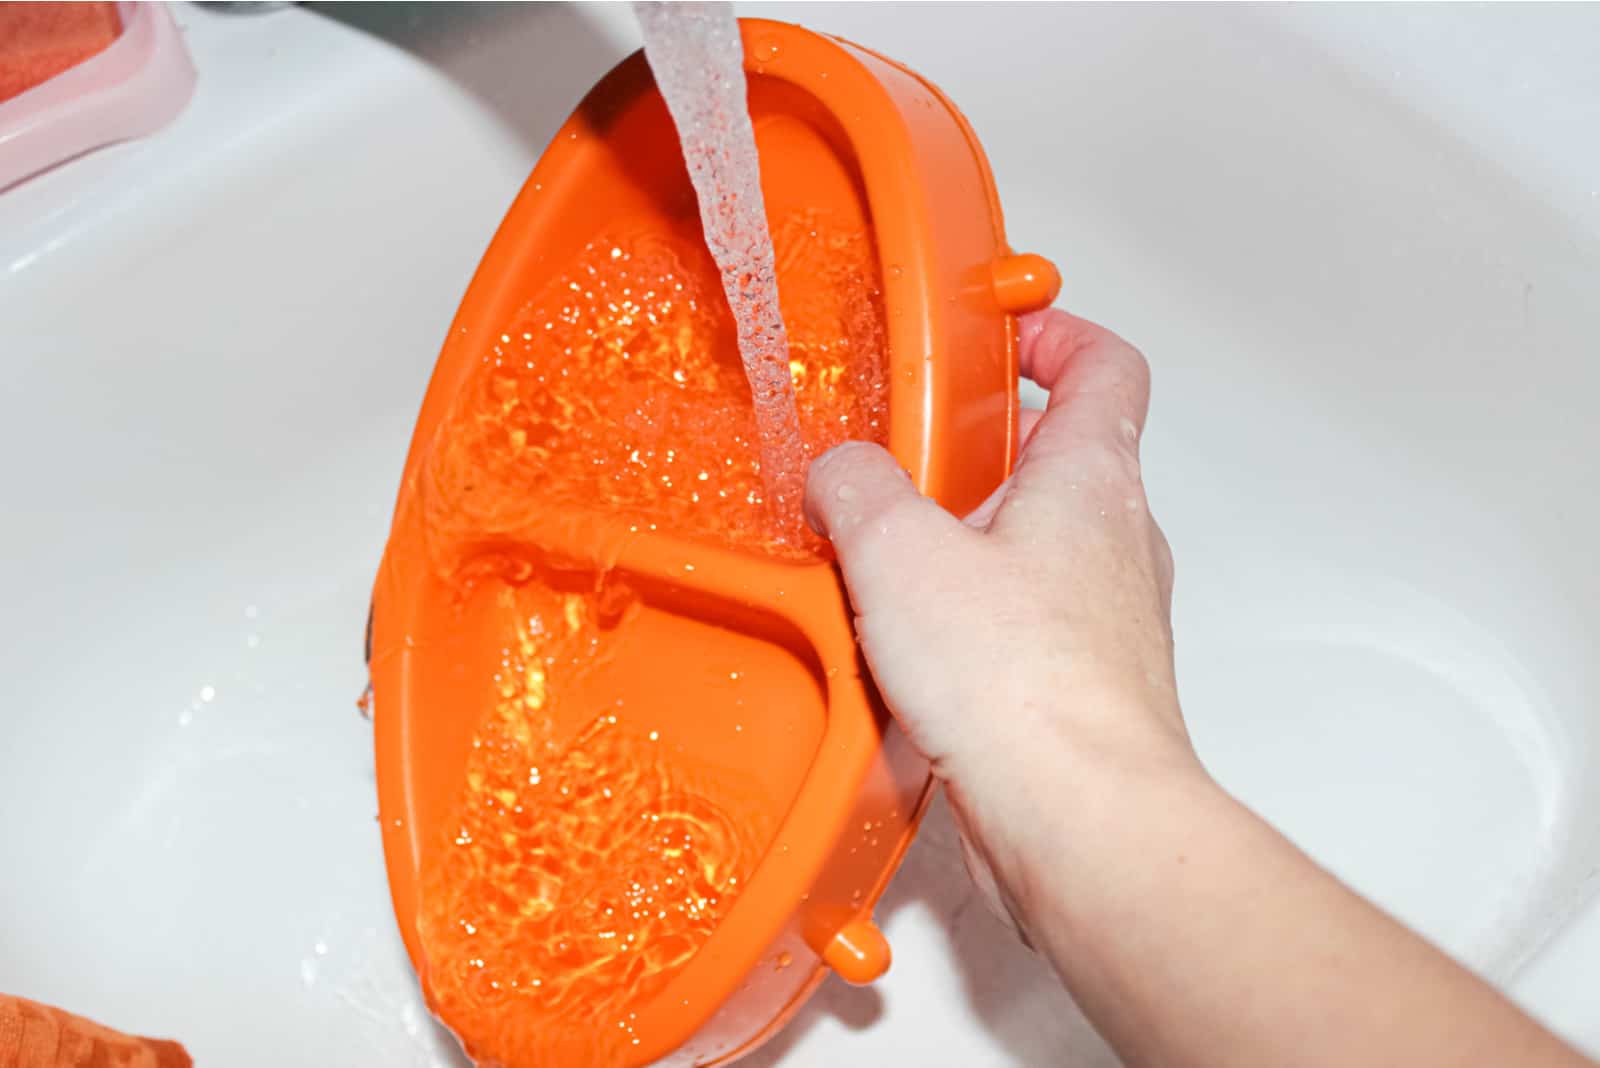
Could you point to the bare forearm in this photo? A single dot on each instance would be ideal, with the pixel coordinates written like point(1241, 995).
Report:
point(1193, 934)
point(1027, 649)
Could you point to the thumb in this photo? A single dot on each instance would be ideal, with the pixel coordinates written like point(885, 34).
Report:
point(862, 500)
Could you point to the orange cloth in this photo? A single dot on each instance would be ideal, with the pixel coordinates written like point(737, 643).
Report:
point(39, 41)
point(38, 1036)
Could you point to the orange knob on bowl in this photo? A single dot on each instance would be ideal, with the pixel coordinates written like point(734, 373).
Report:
point(858, 952)
point(1025, 282)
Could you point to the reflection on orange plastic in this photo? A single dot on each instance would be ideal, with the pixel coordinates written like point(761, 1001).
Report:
point(617, 703)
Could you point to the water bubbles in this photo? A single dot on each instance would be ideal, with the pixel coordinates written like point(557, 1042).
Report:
point(719, 146)
point(578, 854)
point(564, 898)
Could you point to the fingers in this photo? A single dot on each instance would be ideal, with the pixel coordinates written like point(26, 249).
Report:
point(980, 517)
point(881, 528)
point(1099, 384)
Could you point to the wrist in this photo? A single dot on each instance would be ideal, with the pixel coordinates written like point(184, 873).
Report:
point(1072, 814)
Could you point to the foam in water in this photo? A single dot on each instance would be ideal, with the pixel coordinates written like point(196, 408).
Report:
point(697, 57)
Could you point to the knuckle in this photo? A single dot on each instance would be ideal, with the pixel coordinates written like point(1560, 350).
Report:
point(1133, 393)
point(833, 464)
point(1112, 463)
point(894, 517)
point(1136, 367)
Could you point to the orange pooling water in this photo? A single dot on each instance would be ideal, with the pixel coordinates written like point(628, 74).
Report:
point(583, 871)
point(591, 857)
point(619, 388)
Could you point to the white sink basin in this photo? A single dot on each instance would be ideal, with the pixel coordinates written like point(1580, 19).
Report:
point(1359, 246)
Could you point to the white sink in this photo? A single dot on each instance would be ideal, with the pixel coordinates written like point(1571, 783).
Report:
point(1360, 247)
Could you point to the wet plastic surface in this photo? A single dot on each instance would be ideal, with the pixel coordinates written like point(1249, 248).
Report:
point(850, 144)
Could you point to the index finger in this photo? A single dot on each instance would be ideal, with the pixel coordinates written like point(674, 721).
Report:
point(1099, 384)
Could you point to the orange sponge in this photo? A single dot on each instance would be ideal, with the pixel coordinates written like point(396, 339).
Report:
point(38, 1036)
point(40, 40)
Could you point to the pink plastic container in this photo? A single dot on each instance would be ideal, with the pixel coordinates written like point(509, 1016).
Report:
point(138, 84)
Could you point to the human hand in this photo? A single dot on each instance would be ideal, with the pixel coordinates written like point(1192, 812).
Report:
point(1027, 648)
point(1027, 651)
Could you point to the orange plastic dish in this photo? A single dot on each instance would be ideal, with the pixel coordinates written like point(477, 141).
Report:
point(839, 129)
